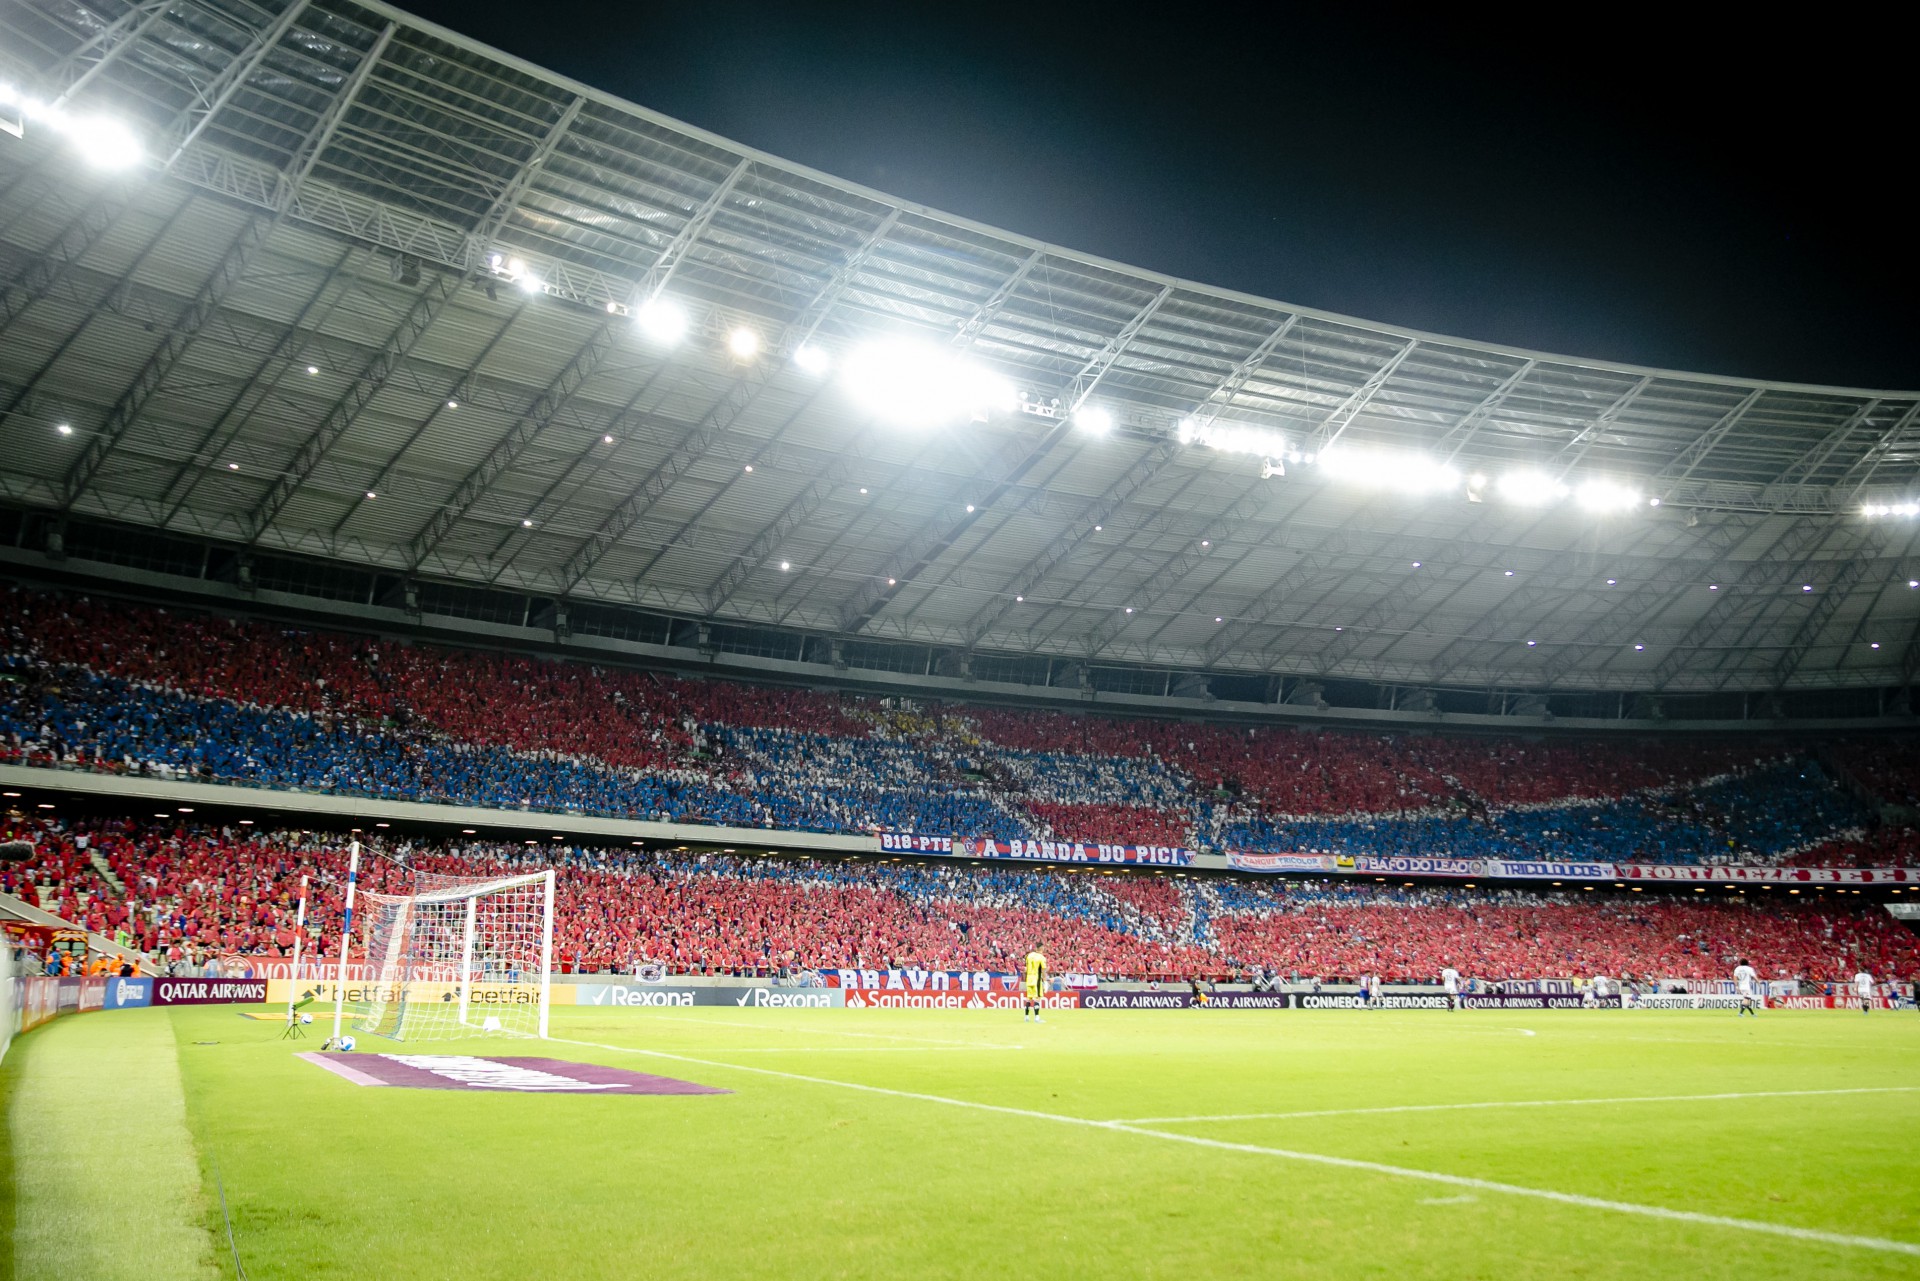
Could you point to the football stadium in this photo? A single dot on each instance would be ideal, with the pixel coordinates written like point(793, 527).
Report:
point(582, 700)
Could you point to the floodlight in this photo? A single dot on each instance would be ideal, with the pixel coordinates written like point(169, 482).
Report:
point(1094, 420)
point(743, 343)
point(1233, 438)
point(813, 360)
point(1606, 496)
point(65, 429)
point(104, 143)
point(530, 283)
point(913, 384)
point(1405, 471)
point(1531, 488)
point(662, 321)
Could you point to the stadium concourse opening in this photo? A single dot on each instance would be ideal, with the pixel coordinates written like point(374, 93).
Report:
point(580, 699)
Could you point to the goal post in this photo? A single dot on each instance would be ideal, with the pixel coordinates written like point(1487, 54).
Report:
point(459, 957)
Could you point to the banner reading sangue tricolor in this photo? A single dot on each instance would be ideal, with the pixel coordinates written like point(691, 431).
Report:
point(1511, 869)
point(1036, 851)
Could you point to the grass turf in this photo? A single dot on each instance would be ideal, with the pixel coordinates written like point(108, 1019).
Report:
point(102, 1182)
point(795, 1178)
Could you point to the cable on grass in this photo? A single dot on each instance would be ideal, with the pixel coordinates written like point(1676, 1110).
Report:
point(232, 1245)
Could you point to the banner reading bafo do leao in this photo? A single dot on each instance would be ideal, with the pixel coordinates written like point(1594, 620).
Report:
point(1036, 851)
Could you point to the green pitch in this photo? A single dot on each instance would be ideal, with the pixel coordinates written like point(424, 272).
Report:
point(890, 1144)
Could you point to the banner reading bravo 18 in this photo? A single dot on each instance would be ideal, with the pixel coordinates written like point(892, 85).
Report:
point(1036, 851)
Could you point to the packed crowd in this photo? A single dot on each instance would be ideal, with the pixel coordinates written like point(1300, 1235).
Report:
point(106, 685)
point(188, 892)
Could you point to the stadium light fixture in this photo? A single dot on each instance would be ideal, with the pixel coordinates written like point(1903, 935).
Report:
point(1234, 438)
point(1530, 488)
point(102, 141)
point(1891, 509)
point(313, 369)
point(371, 494)
point(662, 320)
point(1402, 471)
point(1093, 420)
point(744, 343)
point(65, 429)
point(527, 523)
point(812, 359)
point(1606, 496)
point(785, 566)
point(916, 384)
point(530, 283)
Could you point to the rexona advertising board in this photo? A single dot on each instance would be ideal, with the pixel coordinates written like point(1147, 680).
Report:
point(1036, 851)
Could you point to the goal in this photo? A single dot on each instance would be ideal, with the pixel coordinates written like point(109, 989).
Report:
point(459, 957)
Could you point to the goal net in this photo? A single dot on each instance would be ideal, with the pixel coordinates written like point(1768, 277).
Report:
point(460, 956)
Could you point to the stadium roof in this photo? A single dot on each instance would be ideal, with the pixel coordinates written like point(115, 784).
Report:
point(374, 294)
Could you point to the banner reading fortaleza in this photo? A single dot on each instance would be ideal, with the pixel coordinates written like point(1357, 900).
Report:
point(1036, 851)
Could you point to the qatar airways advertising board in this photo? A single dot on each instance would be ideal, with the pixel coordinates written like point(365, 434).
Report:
point(1036, 851)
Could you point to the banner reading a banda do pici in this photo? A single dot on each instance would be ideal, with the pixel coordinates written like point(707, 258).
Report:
point(1036, 851)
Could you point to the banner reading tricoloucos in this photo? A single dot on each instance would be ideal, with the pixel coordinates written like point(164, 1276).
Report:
point(1036, 851)
point(1525, 870)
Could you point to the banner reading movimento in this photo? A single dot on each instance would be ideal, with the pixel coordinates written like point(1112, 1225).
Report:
point(503, 1075)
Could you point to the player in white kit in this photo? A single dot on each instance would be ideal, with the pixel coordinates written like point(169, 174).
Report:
point(1863, 987)
point(1450, 980)
point(1602, 988)
point(1747, 983)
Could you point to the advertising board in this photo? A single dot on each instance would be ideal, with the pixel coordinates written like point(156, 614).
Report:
point(209, 991)
point(127, 994)
point(864, 1000)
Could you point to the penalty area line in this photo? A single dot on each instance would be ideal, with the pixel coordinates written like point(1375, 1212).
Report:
point(1314, 1158)
point(1510, 1103)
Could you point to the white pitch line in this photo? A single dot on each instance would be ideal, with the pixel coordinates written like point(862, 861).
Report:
point(858, 1049)
point(1316, 1158)
point(1508, 1103)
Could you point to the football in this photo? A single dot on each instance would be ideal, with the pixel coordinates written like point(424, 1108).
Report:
point(346, 1044)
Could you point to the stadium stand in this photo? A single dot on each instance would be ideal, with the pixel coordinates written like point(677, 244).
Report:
point(110, 686)
point(191, 892)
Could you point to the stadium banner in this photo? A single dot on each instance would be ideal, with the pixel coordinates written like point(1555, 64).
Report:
point(1680, 1001)
point(209, 991)
point(1532, 1001)
point(37, 999)
point(1036, 851)
point(280, 991)
point(240, 965)
point(917, 980)
point(656, 996)
point(1244, 862)
point(127, 994)
point(1550, 871)
point(1770, 875)
point(1137, 1000)
point(1353, 1001)
point(864, 1000)
point(1404, 865)
point(1850, 1003)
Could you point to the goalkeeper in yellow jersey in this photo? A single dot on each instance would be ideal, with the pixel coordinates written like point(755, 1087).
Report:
point(1036, 983)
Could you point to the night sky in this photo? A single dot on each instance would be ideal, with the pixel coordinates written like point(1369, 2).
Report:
point(1588, 181)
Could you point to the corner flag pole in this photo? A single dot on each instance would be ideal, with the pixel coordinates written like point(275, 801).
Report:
point(299, 937)
point(346, 937)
